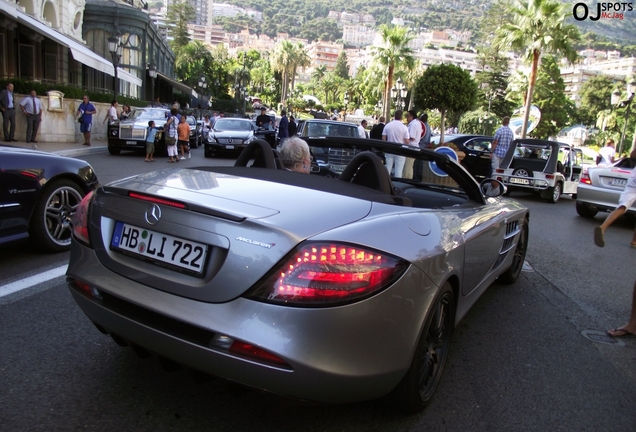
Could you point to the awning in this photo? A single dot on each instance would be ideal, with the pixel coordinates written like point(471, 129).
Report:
point(179, 86)
point(127, 76)
point(8, 8)
point(80, 52)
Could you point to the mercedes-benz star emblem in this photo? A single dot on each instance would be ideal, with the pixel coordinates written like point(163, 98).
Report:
point(153, 214)
point(229, 141)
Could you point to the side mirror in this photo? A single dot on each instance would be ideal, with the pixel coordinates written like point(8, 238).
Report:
point(492, 188)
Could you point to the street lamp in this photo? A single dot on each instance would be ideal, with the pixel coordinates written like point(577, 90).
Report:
point(399, 93)
point(627, 103)
point(202, 86)
point(115, 49)
point(152, 71)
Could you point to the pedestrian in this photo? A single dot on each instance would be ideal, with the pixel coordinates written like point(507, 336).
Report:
point(293, 127)
point(32, 107)
point(125, 113)
point(629, 329)
point(501, 143)
point(171, 133)
point(362, 129)
point(607, 154)
point(415, 134)
point(7, 106)
point(425, 141)
point(112, 113)
point(184, 137)
point(207, 125)
point(396, 132)
point(283, 125)
point(625, 201)
point(85, 118)
point(264, 121)
point(150, 141)
point(376, 130)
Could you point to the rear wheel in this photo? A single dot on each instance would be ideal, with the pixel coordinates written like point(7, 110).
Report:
point(50, 226)
point(512, 274)
point(556, 193)
point(418, 386)
point(585, 210)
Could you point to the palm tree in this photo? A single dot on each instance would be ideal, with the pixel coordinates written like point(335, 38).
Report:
point(319, 73)
point(537, 28)
point(193, 60)
point(286, 58)
point(393, 54)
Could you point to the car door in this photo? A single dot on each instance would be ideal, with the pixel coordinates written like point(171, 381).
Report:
point(477, 160)
point(19, 189)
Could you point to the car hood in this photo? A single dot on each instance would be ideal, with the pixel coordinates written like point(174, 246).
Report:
point(231, 134)
point(248, 236)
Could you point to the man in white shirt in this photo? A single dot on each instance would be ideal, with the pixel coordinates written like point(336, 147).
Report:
point(415, 133)
point(112, 112)
point(608, 153)
point(396, 132)
point(32, 107)
point(362, 129)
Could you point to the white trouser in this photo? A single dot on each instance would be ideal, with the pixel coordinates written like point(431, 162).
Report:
point(396, 163)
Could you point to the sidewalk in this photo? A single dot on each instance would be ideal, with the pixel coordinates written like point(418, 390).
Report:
point(64, 149)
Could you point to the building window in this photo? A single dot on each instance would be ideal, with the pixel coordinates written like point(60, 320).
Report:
point(50, 67)
point(27, 61)
point(3, 59)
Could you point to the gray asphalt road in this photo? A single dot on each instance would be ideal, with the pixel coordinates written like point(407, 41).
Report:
point(519, 361)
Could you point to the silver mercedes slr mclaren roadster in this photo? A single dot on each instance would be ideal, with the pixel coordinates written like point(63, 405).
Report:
point(322, 289)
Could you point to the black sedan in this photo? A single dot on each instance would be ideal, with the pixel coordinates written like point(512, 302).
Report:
point(477, 152)
point(196, 131)
point(229, 134)
point(39, 193)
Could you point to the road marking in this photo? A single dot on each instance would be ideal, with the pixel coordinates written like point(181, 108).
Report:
point(22, 284)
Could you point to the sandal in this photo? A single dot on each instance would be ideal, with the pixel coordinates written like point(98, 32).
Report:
point(620, 333)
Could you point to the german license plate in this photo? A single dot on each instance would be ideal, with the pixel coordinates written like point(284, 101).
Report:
point(165, 250)
point(618, 182)
point(131, 142)
point(229, 147)
point(520, 181)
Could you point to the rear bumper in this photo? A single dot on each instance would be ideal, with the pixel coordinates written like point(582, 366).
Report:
point(601, 199)
point(343, 354)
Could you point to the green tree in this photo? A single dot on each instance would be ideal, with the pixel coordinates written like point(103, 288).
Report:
point(179, 13)
point(342, 67)
point(193, 60)
point(393, 53)
point(537, 28)
point(557, 110)
point(596, 96)
point(446, 88)
point(285, 59)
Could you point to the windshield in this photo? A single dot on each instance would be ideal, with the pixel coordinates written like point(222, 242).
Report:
point(142, 114)
point(232, 125)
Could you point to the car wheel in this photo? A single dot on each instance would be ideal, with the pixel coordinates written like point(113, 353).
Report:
point(585, 210)
point(556, 194)
point(50, 226)
point(512, 274)
point(114, 150)
point(418, 386)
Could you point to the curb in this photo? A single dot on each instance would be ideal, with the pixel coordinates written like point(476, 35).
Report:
point(81, 151)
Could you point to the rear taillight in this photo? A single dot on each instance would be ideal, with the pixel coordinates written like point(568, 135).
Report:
point(80, 220)
point(324, 274)
point(585, 178)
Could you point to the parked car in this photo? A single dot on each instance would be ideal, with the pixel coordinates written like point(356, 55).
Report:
point(600, 187)
point(39, 193)
point(239, 272)
point(477, 152)
point(330, 162)
point(196, 131)
point(131, 134)
point(229, 134)
point(549, 168)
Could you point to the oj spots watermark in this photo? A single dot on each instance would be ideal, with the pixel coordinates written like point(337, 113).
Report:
point(603, 10)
